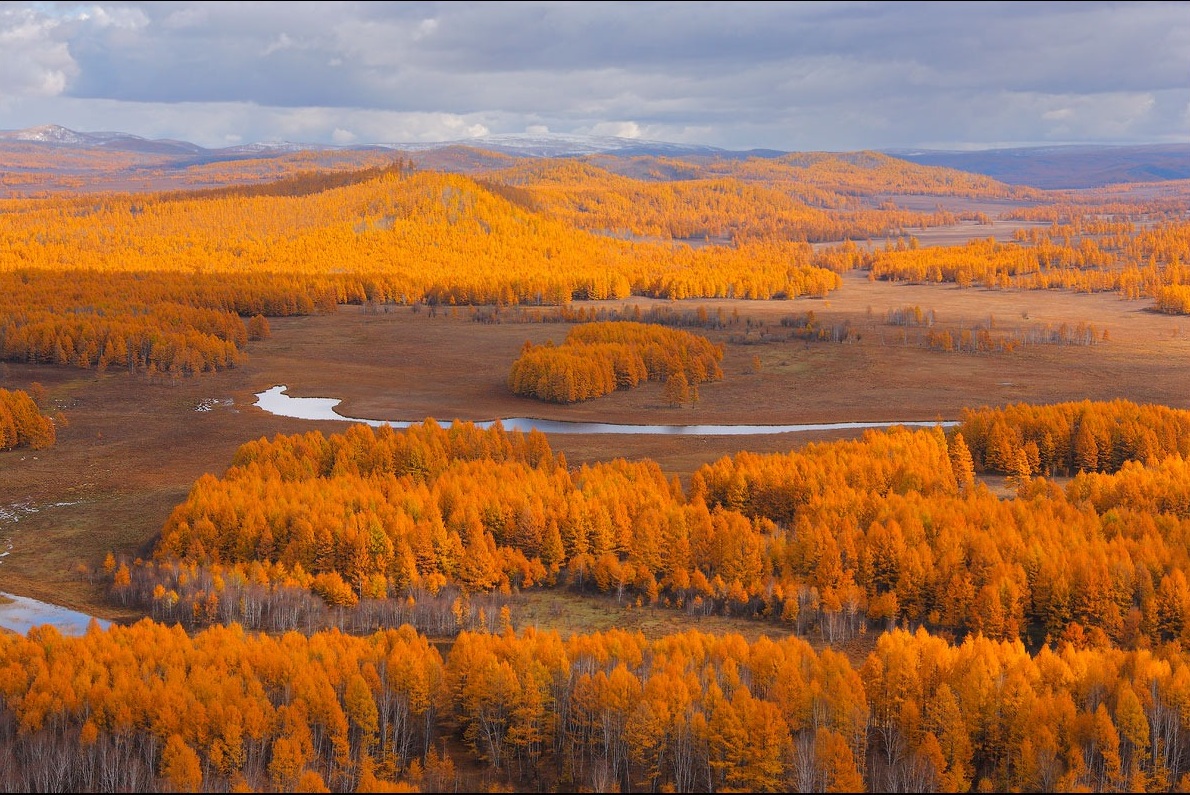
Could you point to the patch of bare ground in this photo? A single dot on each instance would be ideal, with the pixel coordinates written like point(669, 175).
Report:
point(134, 445)
point(569, 613)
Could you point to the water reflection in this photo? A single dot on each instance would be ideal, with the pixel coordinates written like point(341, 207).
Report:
point(22, 614)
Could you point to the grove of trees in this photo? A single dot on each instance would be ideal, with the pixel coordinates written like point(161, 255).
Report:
point(596, 359)
point(22, 424)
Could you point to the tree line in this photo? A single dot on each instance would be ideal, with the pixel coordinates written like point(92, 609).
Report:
point(1066, 438)
point(1145, 263)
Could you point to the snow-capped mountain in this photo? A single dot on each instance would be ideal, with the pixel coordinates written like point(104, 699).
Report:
point(56, 135)
point(48, 134)
point(562, 145)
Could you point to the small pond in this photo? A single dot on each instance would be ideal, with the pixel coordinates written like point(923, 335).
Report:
point(20, 614)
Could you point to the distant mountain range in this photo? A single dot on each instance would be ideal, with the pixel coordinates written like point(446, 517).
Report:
point(1065, 167)
point(558, 145)
point(53, 135)
point(1052, 167)
point(523, 145)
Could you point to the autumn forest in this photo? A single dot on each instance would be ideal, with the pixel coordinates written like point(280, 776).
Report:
point(995, 597)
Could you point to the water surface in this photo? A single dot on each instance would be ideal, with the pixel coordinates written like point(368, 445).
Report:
point(22, 614)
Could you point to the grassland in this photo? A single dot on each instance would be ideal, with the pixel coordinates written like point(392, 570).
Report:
point(133, 444)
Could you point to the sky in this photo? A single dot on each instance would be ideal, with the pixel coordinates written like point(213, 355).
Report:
point(804, 76)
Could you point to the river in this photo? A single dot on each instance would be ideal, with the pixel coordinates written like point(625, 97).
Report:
point(275, 401)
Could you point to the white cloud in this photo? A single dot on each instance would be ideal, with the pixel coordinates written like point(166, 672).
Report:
point(619, 129)
point(1110, 117)
point(34, 60)
point(183, 18)
point(425, 28)
point(282, 42)
point(215, 124)
point(115, 17)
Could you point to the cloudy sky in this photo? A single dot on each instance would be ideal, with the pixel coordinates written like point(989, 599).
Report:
point(828, 76)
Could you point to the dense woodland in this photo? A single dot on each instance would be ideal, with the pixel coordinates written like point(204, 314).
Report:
point(1072, 603)
point(336, 612)
point(152, 281)
point(892, 527)
point(768, 200)
point(156, 282)
point(149, 707)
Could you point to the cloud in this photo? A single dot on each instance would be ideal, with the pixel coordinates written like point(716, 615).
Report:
point(809, 75)
point(216, 124)
point(283, 42)
point(34, 59)
point(619, 129)
point(115, 17)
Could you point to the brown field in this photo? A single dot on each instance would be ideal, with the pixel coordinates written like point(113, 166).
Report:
point(133, 446)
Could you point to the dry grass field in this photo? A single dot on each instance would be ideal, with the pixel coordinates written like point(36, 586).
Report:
point(132, 446)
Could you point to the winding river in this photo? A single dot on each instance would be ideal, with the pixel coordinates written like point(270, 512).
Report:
point(275, 401)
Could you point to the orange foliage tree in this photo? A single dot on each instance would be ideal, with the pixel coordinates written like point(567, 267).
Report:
point(148, 707)
point(595, 359)
point(22, 424)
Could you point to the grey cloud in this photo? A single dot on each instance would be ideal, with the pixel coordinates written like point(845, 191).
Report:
point(785, 75)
